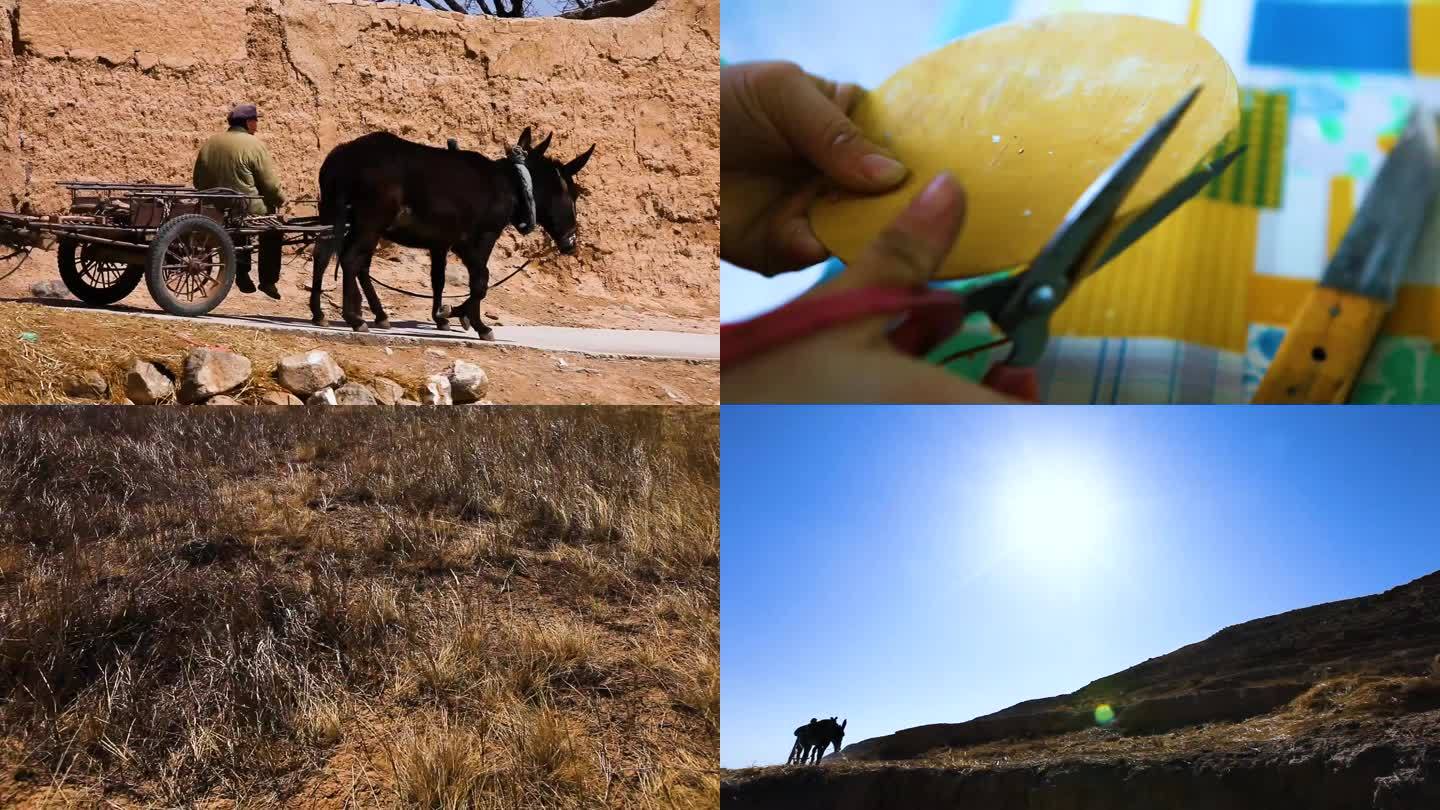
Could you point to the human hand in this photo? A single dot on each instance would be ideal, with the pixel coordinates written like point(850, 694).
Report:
point(857, 362)
point(783, 134)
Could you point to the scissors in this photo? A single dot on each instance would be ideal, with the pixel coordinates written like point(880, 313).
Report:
point(1019, 305)
point(1333, 333)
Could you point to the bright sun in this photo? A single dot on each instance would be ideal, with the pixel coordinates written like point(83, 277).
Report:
point(1056, 510)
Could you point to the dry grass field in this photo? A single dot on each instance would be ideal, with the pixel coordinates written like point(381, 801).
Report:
point(467, 608)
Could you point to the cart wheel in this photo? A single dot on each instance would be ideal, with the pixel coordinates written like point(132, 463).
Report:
point(191, 265)
point(94, 280)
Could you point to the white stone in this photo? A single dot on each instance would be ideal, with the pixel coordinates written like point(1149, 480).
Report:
point(304, 374)
point(354, 394)
point(468, 382)
point(209, 372)
point(146, 383)
point(325, 396)
point(437, 390)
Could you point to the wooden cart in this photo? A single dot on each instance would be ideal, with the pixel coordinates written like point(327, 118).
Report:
point(183, 242)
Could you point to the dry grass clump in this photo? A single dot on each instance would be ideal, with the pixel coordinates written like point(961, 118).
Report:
point(1420, 694)
point(546, 657)
point(524, 757)
point(1369, 696)
point(1332, 695)
point(202, 603)
point(438, 768)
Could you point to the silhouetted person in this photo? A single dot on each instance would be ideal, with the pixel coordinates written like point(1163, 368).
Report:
point(802, 742)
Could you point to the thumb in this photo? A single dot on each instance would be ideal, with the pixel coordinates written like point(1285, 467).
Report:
point(811, 114)
point(913, 247)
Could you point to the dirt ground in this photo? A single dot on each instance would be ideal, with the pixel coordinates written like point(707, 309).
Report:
point(518, 302)
point(327, 72)
point(640, 88)
point(68, 341)
point(497, 609)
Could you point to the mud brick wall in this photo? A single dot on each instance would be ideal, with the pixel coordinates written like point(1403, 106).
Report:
point(126, 90)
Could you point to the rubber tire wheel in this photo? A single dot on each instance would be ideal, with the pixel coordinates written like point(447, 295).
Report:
point(80, 287)
point(155, 270)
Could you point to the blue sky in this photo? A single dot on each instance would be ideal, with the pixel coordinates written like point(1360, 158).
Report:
point(903, 566)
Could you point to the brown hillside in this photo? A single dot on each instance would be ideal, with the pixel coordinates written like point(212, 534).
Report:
point(1332, 706)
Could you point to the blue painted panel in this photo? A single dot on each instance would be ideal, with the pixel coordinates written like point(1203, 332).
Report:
point(1373, 37)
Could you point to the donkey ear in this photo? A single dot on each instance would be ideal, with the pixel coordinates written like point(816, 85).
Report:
point(573, 167)
point(524, 142)
point(545, 144)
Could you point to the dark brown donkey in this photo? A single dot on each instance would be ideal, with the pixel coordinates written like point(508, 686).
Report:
point(381, 186)
point(814, 737)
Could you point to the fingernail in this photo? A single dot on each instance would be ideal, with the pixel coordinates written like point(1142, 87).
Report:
point(937, 201)
point(882, 169)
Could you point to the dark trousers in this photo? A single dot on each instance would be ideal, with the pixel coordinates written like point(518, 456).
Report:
point(243, 261)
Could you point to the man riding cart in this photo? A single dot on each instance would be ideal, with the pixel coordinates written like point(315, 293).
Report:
point(239, 161)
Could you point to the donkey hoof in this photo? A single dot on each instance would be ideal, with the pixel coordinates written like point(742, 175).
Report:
point(383, 323)
point(443, 313)
point(485, 333)
point(360, 327)
point(443, 324)
point(319, 320)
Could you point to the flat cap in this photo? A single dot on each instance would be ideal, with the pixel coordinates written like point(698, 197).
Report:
point(244, 112)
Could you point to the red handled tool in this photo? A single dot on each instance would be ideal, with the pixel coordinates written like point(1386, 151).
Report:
point(1020, 306)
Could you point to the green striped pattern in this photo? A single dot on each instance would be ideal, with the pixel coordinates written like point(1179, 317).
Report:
point(1257, 178)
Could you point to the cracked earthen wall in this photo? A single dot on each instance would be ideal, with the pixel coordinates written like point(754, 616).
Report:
point(128, 89)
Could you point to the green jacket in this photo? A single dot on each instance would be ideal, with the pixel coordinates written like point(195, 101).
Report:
point(239, 161)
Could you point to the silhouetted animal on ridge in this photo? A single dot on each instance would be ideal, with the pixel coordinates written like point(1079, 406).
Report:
point(814, 737)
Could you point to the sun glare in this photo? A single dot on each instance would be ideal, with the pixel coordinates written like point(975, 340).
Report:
point(1058, 510)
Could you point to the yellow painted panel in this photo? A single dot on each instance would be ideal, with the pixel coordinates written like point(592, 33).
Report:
point(1342, 209)
point(1276, 301)
point(1425, 37)
point(1187, 280)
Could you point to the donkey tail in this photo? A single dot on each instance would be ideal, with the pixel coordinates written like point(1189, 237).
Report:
point(334, 203)
point(339, 225)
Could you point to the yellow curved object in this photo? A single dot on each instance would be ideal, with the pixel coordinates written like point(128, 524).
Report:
point(1027, 116)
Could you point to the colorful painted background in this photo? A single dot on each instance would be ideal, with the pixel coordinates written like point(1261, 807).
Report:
point(1195, 312)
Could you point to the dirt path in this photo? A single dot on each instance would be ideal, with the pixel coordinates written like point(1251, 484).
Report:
point(41, 345)
point(647, 344)
point(566, 347)
point(543, 295)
